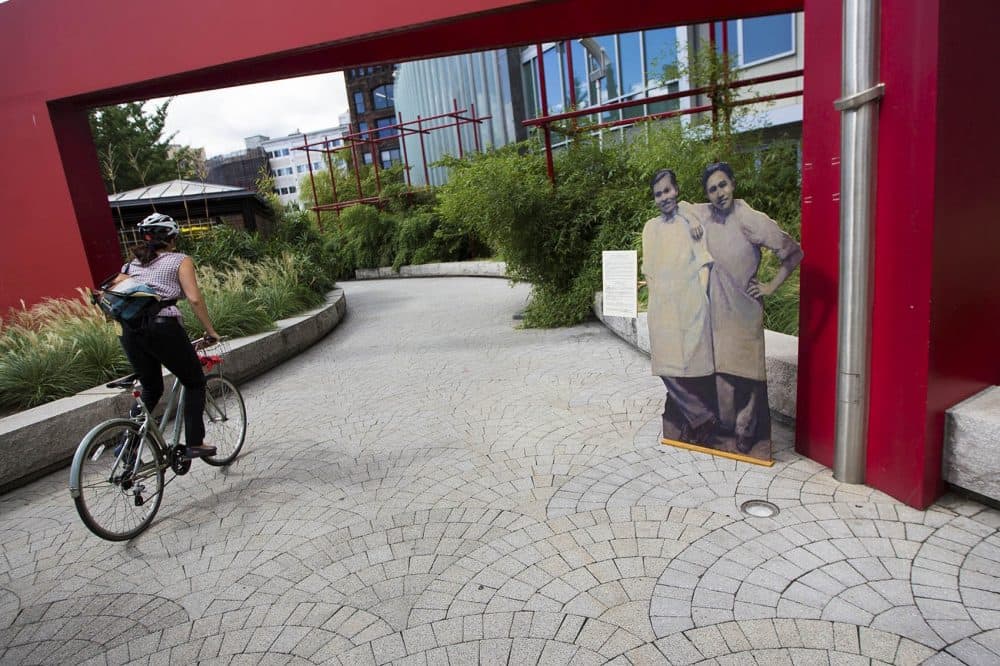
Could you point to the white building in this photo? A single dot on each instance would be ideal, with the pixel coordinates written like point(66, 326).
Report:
point(288, 162)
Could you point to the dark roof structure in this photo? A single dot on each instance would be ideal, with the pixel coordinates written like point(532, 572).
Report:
point(189, 200)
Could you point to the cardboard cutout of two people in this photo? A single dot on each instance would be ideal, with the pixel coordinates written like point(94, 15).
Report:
point(706, 312)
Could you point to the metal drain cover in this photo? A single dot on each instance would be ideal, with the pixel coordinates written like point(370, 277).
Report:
point(759, 509)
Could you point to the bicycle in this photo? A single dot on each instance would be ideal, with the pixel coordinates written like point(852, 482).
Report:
point(118, 471)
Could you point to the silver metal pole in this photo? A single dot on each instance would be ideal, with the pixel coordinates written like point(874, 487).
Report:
point(857, 178)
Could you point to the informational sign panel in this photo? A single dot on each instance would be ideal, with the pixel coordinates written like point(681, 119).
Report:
point(620, 271)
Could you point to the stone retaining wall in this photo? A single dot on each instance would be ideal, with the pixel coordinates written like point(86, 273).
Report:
point(37, 441)
point(449, 269)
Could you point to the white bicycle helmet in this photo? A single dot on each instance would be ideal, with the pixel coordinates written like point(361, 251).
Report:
point(159, 227)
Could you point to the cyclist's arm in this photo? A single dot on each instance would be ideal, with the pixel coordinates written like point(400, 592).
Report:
point(189, 285)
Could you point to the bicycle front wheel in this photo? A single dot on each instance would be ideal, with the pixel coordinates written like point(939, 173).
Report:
point(225, 420)
point(116, 498)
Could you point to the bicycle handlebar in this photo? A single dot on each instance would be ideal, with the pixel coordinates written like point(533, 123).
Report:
point(206, 341)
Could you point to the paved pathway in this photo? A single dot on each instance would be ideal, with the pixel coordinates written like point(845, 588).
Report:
point(429, 485)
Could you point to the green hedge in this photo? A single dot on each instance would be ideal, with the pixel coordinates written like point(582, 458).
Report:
point(553, 237)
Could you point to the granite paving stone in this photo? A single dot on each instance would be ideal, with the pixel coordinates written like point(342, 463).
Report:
point(430, 484)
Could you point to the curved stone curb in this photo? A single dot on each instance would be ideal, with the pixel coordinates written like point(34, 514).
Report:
point(39, 440)
point(449, 269)
point(782, 355)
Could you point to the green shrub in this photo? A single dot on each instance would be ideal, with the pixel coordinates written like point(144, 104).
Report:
point(781, 309)
point(56, 348)
point(285, 285)
point(413, 233)
point(45, 368)
point(230, 303)
point(369, 236)
point(507, 199)
point(223, 246)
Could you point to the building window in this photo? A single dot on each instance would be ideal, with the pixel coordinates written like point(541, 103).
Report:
point(385, 133)
point(367, 157)
point(529, 79)
point(359, 102)
point(602, 68)
point(383, 97)
point(284, 152)
point(317, 166)
point(660, 48)
point(300, 168)
point(631, 59)
point(552, 58)
point(756, 40)
point(291, 189)
point(390, 157)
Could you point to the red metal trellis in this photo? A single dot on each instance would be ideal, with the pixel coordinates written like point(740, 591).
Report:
point(372, 138)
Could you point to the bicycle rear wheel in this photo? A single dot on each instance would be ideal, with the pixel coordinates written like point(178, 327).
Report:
point(225, 420)
point(115, 500)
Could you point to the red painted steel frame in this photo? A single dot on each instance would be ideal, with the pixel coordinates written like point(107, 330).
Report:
point(937, 317)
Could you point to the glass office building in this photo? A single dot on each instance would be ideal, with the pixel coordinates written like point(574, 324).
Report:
point(648, 63)
point(428, 88)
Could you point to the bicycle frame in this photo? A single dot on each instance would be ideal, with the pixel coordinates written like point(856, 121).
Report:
point(171, 409)
point(143, 448)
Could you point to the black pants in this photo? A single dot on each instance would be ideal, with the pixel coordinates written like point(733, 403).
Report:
point(164, 343)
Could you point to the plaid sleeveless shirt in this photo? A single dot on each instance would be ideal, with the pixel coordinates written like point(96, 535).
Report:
point(162, 275)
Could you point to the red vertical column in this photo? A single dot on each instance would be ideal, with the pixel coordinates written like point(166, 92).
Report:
point(817, 372)
point(902, 455)
point(312, 181)
point(95, 224)
point(965, 291)
point(402, 144)
point(927, 283)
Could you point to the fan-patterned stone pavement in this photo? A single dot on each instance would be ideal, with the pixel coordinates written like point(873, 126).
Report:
point(431, 485)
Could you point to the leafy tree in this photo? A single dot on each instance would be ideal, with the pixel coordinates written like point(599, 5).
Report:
point(132, 149)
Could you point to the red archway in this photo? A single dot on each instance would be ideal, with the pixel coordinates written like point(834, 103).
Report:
point(937, 304)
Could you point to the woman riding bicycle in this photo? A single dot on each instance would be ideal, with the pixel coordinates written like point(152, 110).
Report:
point(163, 342)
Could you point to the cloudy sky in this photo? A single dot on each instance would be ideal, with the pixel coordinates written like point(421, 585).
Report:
point(218, 120)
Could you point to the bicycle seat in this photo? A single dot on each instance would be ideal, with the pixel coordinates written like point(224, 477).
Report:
point(124, 382)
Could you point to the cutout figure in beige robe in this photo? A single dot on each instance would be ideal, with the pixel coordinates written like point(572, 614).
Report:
point(675, 261)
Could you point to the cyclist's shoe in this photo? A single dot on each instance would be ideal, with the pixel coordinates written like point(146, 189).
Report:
point(199, 451)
